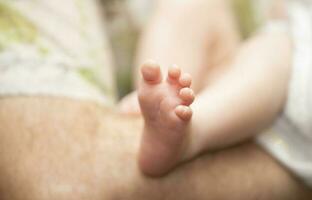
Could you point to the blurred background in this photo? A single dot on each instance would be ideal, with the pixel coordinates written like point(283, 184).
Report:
point(124, 20)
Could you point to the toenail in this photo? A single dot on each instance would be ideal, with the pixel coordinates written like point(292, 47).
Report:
point(151, 64)
point(175, 70)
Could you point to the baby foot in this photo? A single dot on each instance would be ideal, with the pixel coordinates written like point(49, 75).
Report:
point(165, 108)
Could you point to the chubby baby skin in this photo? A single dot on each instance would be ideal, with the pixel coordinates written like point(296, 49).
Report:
point(246, 98)
point(241, 87)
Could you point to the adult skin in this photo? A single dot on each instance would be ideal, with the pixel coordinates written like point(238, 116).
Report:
point(55, 149)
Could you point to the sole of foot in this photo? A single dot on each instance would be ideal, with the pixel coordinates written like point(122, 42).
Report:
point(165, 106)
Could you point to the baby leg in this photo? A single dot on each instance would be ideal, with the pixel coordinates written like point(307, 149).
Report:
point(246, 98)
point(194, 45)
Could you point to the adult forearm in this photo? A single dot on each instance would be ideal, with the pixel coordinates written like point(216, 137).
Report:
point(64, 149)
point(241, 173)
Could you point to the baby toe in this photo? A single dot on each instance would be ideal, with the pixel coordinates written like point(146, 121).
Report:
point(184, 112)
point(174, 73)
point(185, 80)
point(187, 96)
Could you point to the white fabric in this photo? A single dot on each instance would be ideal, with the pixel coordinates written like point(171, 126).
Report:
point(290, 139)
point(65, 52)
point(23, 72)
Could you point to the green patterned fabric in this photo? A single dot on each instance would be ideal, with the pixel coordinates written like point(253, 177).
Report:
point(67, 33)
point(14, 28)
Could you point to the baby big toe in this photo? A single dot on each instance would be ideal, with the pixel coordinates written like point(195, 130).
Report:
point(151, 72)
